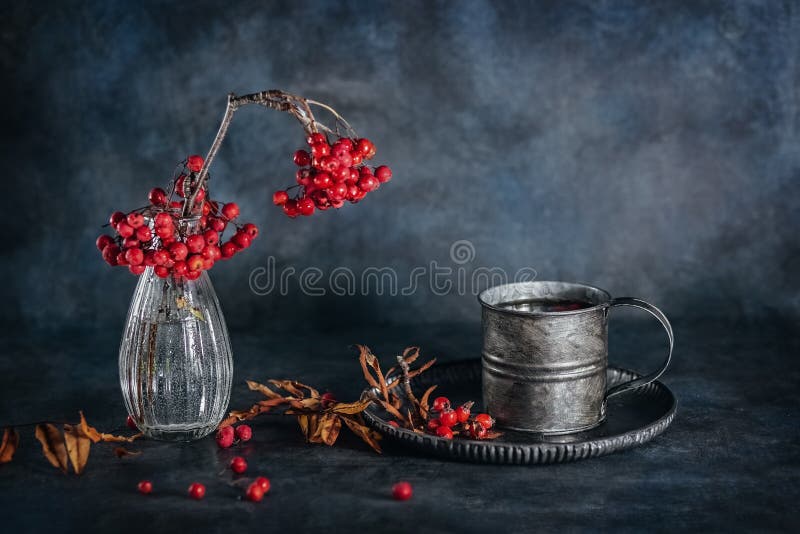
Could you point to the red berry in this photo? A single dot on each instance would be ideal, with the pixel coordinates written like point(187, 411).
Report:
point(230, 210)
point(165, 232)
point(145, 487)
point(327, 399)
point(241, 239)
point(305, 206)
point(322, 180)
point(383, 173)
point(263, 482)
point(462, 413)
point(134, 256)
point(402, 491)
point(161, 271)
point(110, 254)
point(212, 252)
point(201, 194)
point(345, 160)
point(228, 249)
point(197, 491)
point(301, 158)
point(136, 269)
point(163, 219)
point(368, 183)
point(144, 234)
point(194, 163)
point(485, 420)
point(216, 224)
point(121, 259)
point(195, 263)
point(477, 430)
point(211, 237)
point(116, 218)
point(225, 437)
point(192, 275)
point(130, 423)
point(160, 257)
point(244, 432)
point(251, 230)
point(357, 157)
point(130, 242)
point(338, 191)
point(366, 148)
point(195, 243)
point(343, 144)
point(433, 424)
point(329, 163)
point(178, 251)
point(448, 418)
point(179, 269)
point(320, 150)
point(254, 492)
point(316, 138)
point(124, 229)
point(394, 424)
point(135, 219)
point(279, 198)
point(444, 432)
point(157, 197)
point(290, 208)
point(103, 241)
point(441, 404)
point(238, 465)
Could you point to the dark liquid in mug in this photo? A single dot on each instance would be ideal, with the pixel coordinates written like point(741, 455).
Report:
point(545, 305)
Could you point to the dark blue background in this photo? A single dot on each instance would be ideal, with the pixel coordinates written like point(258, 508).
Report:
point(648, 148)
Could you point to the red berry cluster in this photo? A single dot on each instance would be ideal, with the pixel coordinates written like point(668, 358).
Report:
point(153, 237)
point(228, 434)
point(330, 174)
point(459, 421)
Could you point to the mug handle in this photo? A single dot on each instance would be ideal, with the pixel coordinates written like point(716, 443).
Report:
point(655, 312)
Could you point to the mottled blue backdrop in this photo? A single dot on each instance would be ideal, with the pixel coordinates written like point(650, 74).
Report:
point(650, 148)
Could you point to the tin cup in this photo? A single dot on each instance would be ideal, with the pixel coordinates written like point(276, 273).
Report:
point(544, 367)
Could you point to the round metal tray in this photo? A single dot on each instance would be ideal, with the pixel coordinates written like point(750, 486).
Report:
point(633, 418)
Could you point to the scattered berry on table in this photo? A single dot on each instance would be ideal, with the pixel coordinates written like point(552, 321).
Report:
point(402, 491)
point(244, 432)
point(238, 465)
point(145, 487)
point(197, 491)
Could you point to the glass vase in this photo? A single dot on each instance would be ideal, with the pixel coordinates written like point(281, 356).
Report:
point(175, 362)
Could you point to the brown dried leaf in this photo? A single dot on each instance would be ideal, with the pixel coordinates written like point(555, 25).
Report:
point(289, 385)
point(78, 446)
point(52, 445)
point(410, 354)
point(351, 408)
point(423, 402)
point(304, 420)
point(427, 365)
point(327, 429)
point(9, 445)
point(93, 434)
point(357, 427)
point(362, 358)
point(391, 409)
point(376, 366)
point(264, 390)
point(258, 408)
point(122, 452)
point(395, 400)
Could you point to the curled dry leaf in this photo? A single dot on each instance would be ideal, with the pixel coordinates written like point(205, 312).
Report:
point(370, 437)
point(9, 445)
point(78, 446)
point(96, 436)
point(351, 408)
point(122, 452)
point(326, 429)
point(52, 445)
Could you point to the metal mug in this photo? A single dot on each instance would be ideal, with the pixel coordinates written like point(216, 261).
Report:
point(545, 371)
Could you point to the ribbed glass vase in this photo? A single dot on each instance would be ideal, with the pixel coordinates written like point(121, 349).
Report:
point(175, 363)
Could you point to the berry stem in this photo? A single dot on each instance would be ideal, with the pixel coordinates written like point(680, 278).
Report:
point(274, 99)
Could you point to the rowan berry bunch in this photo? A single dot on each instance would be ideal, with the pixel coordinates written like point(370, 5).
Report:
point(459, 421)
point(158, 236)
point(330, 174)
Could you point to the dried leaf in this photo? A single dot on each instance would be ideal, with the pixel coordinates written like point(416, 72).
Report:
point(391, 409)
point(264, 390)
point(78, 446)
point(357, 427)
point(52, 445)
point(305, 404)
point(92, 433)
point(258, 408)
point(327, 429)
point(367, 359)
point(122, 452)
point(304, 421)
point(289, 385)
point(351, 408)
point(197, 313)
point(9, 445)
point(411, 354)
point(427, 365)
point(423, 402)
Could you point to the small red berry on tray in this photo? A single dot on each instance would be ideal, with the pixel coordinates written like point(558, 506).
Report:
point(441, 404)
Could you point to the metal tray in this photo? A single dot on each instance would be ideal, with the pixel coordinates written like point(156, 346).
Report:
point(633, 418)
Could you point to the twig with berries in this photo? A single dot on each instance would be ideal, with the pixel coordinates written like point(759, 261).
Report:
point(180, 233)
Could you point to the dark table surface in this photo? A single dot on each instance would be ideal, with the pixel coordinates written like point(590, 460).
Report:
point(730, 461)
